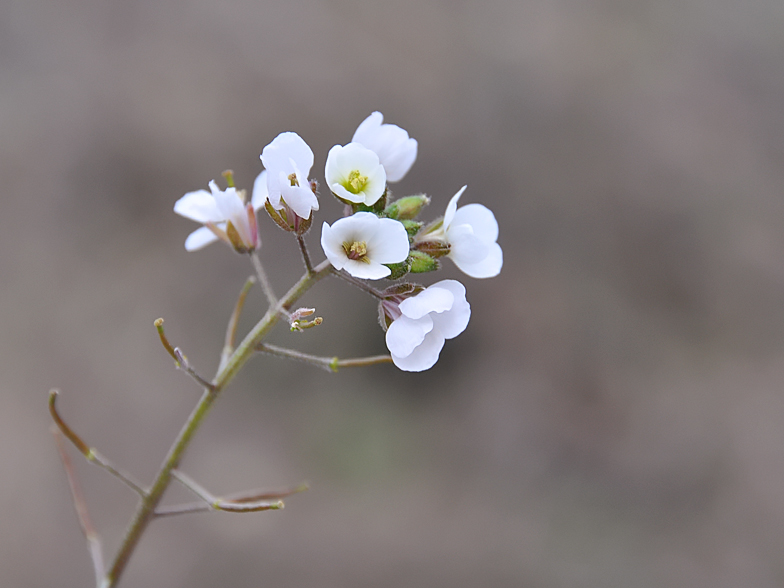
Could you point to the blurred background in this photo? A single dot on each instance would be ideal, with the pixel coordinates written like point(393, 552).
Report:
point(611, 417)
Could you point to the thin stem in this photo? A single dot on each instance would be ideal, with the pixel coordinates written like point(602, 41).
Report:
point(90, 534)
point(245, 350)
point(179, 357)
point(364, 286)
point(164, 341)
point(303, 248)
point(90, 453)
point(236, 498)
point(182, 364)
point(231, 329)
point(331, 364)
point(218, 503)
point(263, 279)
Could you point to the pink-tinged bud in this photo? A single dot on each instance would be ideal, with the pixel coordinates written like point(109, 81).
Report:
point(288, 220)
point(434, 249)
point(254, 227)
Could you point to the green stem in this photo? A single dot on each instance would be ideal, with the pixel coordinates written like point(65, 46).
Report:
point(146, 509)
point(331, 364)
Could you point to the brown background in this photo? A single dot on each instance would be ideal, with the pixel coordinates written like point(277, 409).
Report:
point(613, 414)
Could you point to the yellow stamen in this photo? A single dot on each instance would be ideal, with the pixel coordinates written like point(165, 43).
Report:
point(356, 250)
point(356, 182)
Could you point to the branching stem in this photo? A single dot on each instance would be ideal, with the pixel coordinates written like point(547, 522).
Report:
point(245, 350)
point(263, 279)
point(303, 248)
point(90, 534)
point(236, 498)
point(362, 285)
point(330, 364)
point(231, 329)
point(90, 453)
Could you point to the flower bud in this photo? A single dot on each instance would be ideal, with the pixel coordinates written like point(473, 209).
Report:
point(422, 263)
point(407, 208)
point(399, 269)
point(434, 248)
point(412, 227)
point(300, 225)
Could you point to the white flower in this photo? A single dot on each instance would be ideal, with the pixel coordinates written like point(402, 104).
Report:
point(471, 232)
point(416, 336)
point(395, 149)
point(288, 160)
point(354, 174)
point(361, 243)
point(225, 215)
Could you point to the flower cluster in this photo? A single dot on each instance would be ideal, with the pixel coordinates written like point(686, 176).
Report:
point(380, 238)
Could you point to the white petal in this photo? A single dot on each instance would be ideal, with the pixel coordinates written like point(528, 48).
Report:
point(366, 270)
point(454, 321)
point(285, 147)
point(481, 219)
point(405, 334)
point(287, 154)
point(199, 238)
point(395, 149)
point(452, 207)
point(233, 209)
point(424, 356)
point(388, 242)
point(466, 247)
point(367, 128)
point(198, 206)
point(399, 163)
point(339, 191)
point(489, 267)
point(343, 160)
point(332, 244)
point(376, 184)
point(260, 191)
point(432, 299)
point(300, 199)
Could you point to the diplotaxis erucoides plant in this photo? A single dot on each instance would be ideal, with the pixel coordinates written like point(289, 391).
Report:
point(378, 238)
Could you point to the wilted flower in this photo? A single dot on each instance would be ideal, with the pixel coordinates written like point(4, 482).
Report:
point(362, 243)
point(420, 324)
point(225, 216)
point(354, 174)
point(395, 149)
point(468, 236)
point(288, 160)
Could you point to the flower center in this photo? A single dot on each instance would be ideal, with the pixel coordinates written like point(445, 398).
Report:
point(293, 179)
point(356, 182)
point(356, 251)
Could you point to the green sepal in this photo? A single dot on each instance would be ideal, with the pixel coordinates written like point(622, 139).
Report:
point(422, 263)
point(412, 227)
point(377, 208)
point(407, 208)
point(235, 239)
point(399, 269)
point(278, 217)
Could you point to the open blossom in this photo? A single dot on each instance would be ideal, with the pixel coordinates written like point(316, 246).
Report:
point(362, 243)
point(471, 232)
point(395, 149)
point(421, 324)
point(225, 216)
point(354, 174)
point(288, 160)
